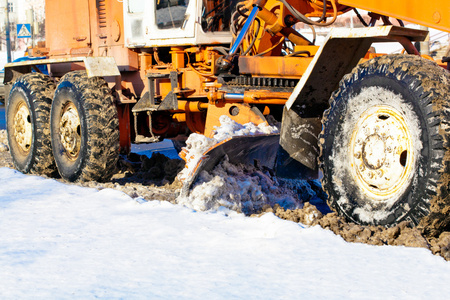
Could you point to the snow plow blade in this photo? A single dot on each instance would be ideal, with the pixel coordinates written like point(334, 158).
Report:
point(239, 150)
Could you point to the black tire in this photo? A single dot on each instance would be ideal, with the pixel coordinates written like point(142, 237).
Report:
point(385, 142)
point(83, 111)
point(28, 124)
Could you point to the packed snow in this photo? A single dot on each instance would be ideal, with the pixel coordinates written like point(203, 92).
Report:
point(198, 144)
point(245, 190)
point(61, 241)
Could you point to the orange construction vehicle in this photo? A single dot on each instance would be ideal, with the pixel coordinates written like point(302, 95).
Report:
point(138, 71)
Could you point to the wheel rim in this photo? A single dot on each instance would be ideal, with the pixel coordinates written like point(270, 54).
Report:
point(23, 131)
point(381, 151)
point(70, 130)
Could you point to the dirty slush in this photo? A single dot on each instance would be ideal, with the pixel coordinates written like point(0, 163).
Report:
point(253, 191)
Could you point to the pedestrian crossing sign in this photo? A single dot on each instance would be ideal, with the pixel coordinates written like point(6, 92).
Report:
point(23, 31)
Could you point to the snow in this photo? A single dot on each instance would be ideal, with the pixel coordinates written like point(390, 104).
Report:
point(244, 190)
point(198, 144)
point(227, 185)
point(61, 241)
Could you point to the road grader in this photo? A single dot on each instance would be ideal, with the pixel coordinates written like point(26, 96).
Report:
point(375, 127)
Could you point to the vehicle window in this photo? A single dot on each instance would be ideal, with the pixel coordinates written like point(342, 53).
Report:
point(171, 13)
point(217, 14)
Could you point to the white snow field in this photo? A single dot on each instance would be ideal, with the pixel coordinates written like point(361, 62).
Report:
point(61, 241)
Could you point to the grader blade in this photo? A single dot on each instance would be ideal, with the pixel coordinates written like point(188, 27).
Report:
point(239, 150)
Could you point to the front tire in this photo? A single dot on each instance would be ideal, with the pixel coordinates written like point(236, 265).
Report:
point(84, 128)
point(384, 144)
point(28, 124)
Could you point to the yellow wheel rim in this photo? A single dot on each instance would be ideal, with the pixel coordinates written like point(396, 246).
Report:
point(70, 130)
point(23, 131)
point(381, 152)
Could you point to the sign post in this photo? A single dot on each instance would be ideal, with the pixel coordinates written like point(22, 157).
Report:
point(8, 35)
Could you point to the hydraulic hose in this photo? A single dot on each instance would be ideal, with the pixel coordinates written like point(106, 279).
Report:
point(308, 21)
point(245, 28)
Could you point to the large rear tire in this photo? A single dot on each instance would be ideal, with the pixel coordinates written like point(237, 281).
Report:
point(84, 128)
point(384, 143)
point(28, 124)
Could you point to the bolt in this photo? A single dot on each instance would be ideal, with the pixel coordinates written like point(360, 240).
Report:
point(370, 174)
point(362, 168)
point(358, 155)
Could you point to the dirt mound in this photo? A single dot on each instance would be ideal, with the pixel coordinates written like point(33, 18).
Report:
point(149, 178)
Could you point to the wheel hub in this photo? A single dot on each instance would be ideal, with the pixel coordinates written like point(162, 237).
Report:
point(373, 151)
point(22, 127)
point(70, 130)
point(381, 152)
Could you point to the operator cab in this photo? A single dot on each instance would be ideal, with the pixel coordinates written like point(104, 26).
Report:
point(177, 22)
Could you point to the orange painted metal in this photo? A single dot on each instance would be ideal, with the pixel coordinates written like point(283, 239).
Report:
point(435, 14)
point(179, 117)
point(239, 112)
point(67, 31)
point(124, 127)
point(192, 106)
point(88, 28)
point(265, 97)
point(95, 28)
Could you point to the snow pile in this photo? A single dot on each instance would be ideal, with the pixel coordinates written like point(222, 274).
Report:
point(228, 185)
point(198, 144)
point(247, 189)
point(60, 241)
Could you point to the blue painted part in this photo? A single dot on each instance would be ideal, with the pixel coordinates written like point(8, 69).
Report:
point(244, 29)
point(42, 68)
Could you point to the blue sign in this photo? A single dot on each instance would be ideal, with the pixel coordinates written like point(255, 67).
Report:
point(23, 31)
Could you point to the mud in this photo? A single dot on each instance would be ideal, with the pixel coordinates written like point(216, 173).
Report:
point(155, 179)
